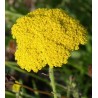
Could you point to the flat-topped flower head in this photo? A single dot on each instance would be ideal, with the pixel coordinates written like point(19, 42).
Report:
point(46, 37)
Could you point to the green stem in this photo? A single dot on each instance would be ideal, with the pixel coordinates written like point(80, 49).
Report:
point(12, 13)
point(68, 92)
point(51, 75)
point(69, 87)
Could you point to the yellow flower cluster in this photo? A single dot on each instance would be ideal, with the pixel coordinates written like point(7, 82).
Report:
point(46, 37)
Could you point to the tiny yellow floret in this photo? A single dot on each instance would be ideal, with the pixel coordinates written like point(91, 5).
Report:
point(16, 87)
point(46, 37)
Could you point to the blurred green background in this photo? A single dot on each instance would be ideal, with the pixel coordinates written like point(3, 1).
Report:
point(78, 70)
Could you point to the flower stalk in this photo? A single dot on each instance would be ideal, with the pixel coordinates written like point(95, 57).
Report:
point(51, 76)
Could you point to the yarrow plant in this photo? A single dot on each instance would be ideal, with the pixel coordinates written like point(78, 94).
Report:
point(46, 37)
